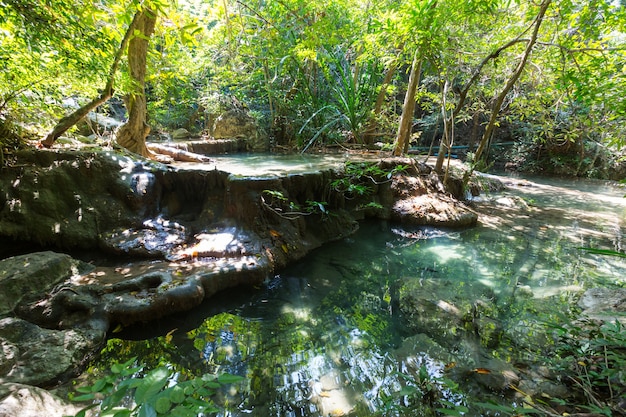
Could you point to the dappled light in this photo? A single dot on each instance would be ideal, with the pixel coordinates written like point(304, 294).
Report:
point(283, 208)
point(325, 337)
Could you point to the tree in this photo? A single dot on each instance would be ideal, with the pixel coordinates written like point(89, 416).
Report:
point(132, 135)
point(512, 80)
point(408, 109)
point(424, 14)
point(70, 120)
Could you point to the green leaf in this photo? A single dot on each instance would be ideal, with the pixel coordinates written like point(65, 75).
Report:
point(146, 410)
point(177, 395)
point(162, 405)
point(151, 385)
point(604, 252)
point(85, 397)
point(98, 385)
point(180, 411)
point(229, 379)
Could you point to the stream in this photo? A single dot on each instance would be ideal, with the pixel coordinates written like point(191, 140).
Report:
point(368, 325)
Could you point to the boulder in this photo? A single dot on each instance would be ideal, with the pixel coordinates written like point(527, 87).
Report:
point(180, 134)
point(33, 355)
point(422, 200)
point(433, 210)
point(19, 400)
point(237, 123)
point(604, 304)
point(27, 276)
point(442, 309)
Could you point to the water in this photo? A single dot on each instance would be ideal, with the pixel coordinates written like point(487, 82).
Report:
point(332, 334)
point(274, 164)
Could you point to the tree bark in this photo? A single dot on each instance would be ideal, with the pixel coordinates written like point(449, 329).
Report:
point(70, 120)
point(486, 138)
point(372, 125)
point(406, 120)
point(132, 135)
point(448, 133)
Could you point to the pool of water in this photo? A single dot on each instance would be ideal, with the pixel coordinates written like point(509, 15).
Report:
point(328, 337)
point(275, 164)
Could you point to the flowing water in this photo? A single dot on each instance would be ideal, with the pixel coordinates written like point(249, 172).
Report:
point(329, 336)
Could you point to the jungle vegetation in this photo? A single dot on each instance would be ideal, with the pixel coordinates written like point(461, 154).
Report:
point(547, 75)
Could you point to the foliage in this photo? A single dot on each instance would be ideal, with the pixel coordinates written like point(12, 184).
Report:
point(129, 391)
point(593, 358)
point(276, 202)
point(360, 177)
point(427, 394)
point(314, 73)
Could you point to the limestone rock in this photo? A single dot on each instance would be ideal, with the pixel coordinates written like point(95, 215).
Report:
point(36, 356)
point(18, 400)
point(237, 123)
point(442, 310)
point(25, 276)
point(430, 210)
point(180, 134)
point(604, 304)
point(422, 201)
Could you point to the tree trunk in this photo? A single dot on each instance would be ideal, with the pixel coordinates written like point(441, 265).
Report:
point(70, 120)
point(132, 135)
point(406, 120)
point(486, 138)
point(448, 131)
point(372, 125)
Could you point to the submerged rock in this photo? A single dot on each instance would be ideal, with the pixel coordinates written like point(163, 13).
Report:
point(203, 230)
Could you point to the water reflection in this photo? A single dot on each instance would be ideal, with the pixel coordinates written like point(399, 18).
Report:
point(337, 335)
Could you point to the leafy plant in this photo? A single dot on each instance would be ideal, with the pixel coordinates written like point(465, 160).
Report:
point(124, 393)
point(426, 394)
point(360, 177)
point(594, 361)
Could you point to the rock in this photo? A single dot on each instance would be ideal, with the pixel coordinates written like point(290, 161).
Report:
point(38, 356)
point(440, 309)
point(431, 210)
point(26, 276)
point(422, 201)
point(65, 199)
point(604, 304)
point(157, 239)
point(180, 134)
point(237, 123)
point(421, 344)
point(495, 375)
point(18, 400)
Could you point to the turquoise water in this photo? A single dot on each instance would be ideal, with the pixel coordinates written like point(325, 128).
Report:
point(334, 335)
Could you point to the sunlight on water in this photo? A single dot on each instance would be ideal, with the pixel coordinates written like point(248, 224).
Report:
point(270, 164)
point(363, 324)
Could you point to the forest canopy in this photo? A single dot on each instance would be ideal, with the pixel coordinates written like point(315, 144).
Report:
point(548, 75)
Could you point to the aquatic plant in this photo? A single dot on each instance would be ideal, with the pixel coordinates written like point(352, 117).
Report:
point(160, 392)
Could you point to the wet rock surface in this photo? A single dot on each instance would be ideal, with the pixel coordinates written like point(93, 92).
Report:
point(180, 236)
